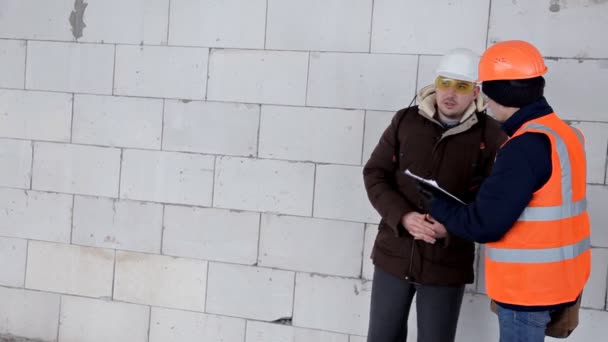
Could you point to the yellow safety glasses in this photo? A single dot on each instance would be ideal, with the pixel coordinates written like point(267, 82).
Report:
point(461, 87)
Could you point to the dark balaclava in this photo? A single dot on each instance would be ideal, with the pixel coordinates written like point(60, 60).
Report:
point(514, 93)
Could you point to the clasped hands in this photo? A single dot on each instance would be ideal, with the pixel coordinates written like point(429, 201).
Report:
point(423, 227)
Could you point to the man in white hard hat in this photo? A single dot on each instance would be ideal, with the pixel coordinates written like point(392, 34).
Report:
point(447, 137)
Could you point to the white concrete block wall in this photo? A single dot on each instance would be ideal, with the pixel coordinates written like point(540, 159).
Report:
point(117, 121)
point(29, 314)
point(85, 319)
point(250, 292)
point(560, 29)
point(14, 253)
point(357, 80)
point(215, 23)
point(211, 234)
point(12, 63)
point(319, 25)
point(35, 115)
point(167, 325)
point(311, 245)
point(154, 71)
point(190, 170)
point(420, 26)
point(169, 177)
point(16, 156)
point(119, 224)
point(306, 134)
point(84, 271)
point(160, 280)
point(76, 169)
point(256, 76)
point(211, 127)
point(70, 67)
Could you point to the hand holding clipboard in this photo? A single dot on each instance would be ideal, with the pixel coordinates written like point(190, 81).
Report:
point(432, 186)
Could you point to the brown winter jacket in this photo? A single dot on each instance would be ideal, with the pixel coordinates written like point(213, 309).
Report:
point(457, 158)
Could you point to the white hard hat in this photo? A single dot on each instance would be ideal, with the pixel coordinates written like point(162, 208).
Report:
point(460, 64)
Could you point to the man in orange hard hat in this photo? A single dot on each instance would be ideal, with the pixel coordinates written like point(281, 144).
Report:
point(531, 211)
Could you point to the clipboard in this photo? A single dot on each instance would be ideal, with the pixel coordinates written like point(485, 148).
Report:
point(432, 185)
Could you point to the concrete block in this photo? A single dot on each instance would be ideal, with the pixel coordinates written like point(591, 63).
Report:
point(597, 196)
point(31, 19)
point(93, 320)
point(596, 147)
point(182, 326)
point(118, 224)
point(427, 66)
point(311, 134)
point(160, 281)
point(29, 314)
point(287, 243)
point(78, 169)
point(131, 22)
point(392, 34)
point(211, 127)
point(268, 332)
point(117, 121)
point(35, 215)
point(559, 28)
point(365, 81)
point(211, 234)
point(594, 294)
point(563, 84)
point(375, 124)
point(371, 230)
point(354, 338)
point(70, 67)
point(83, 271)
point(264, 185)
point(215, 23)
point(340, 194)
point(270, 77)
point(250, 292)
point(167, 177)
point(319, 25)
point(12, 63)
point(332, 304)
point(35, 115)
point(16, 157)
point(13, 253)
point(160, 71)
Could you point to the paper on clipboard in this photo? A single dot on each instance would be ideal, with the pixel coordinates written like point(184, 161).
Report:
point(433, 184)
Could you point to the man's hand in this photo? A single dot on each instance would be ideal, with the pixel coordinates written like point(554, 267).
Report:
point(420, 228)
point(438, 228)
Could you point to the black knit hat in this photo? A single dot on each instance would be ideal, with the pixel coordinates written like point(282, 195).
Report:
point(514, 93)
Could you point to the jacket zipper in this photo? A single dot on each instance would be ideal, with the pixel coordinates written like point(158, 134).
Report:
point(409, 272)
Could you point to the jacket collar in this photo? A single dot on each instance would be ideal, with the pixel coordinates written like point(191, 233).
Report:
point(530, 112)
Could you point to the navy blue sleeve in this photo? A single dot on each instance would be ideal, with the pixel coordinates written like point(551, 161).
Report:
point(522, 166)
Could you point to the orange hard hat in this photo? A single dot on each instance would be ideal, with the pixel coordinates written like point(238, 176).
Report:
point(511, 60)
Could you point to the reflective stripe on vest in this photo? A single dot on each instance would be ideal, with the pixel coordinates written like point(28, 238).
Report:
point(566, 210)
point(531, 256)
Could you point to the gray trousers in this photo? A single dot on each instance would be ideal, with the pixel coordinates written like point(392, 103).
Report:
point(437, 309)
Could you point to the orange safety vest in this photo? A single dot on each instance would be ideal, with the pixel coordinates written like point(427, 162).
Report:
point(545, 258)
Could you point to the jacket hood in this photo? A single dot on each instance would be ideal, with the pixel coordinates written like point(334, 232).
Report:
point(426, 100)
